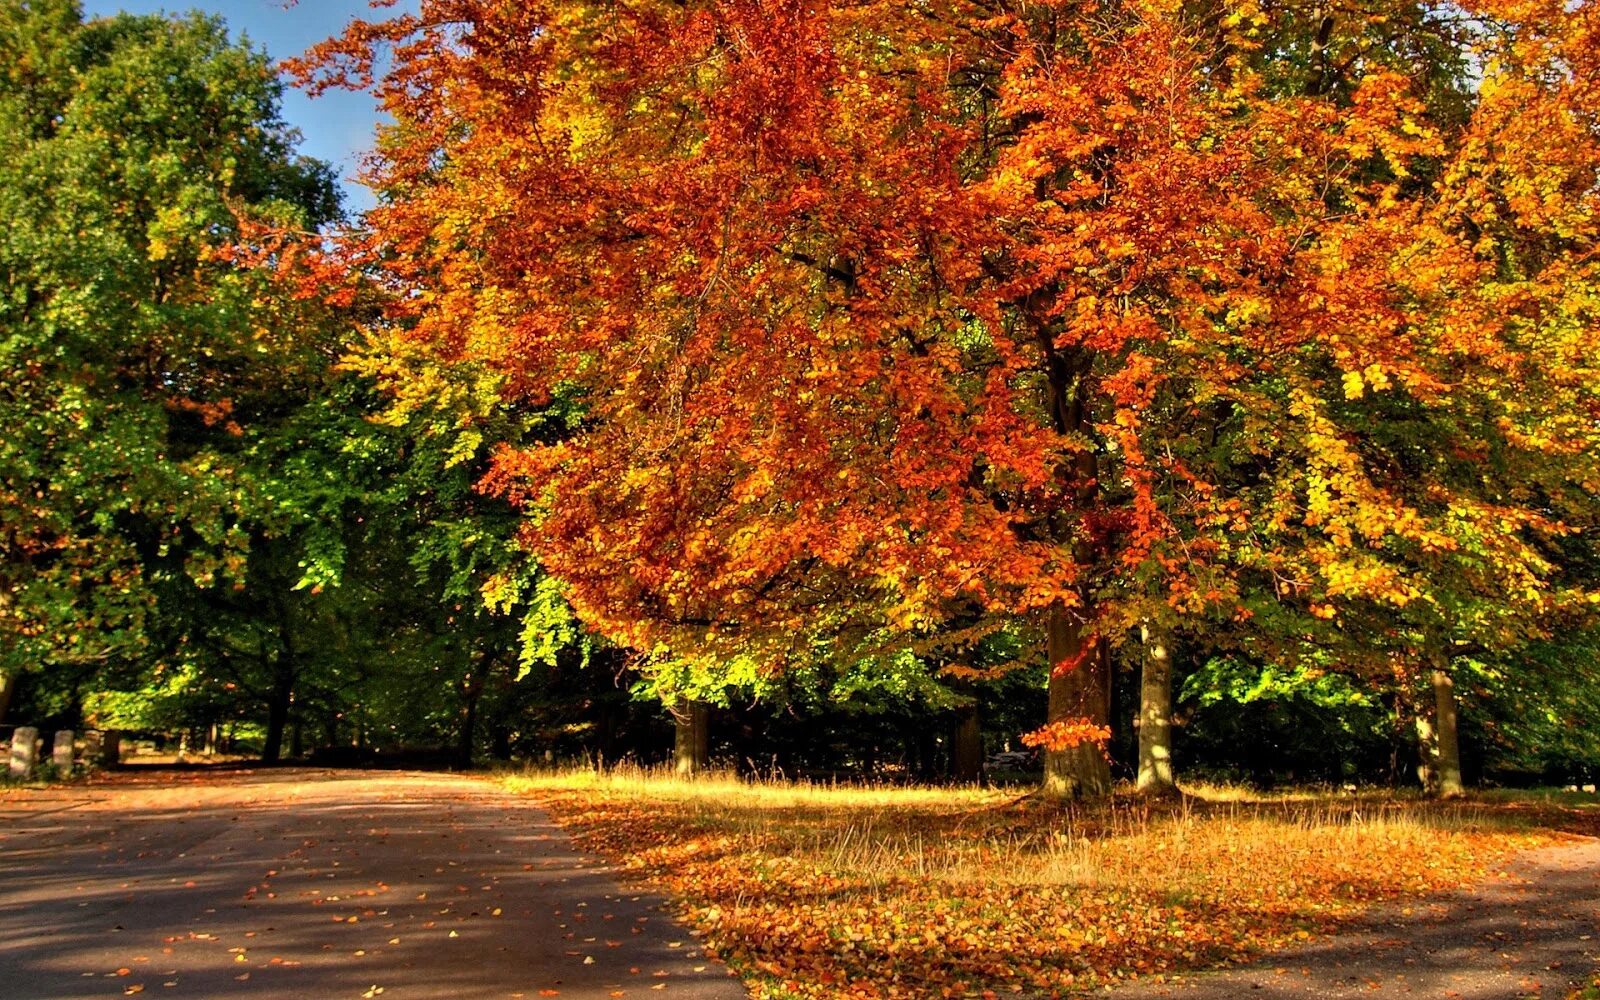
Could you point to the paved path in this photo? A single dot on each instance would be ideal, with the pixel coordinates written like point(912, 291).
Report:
point(1533, 933)
point(320, 884)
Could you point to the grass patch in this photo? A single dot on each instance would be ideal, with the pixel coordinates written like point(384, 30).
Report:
point(866, 891)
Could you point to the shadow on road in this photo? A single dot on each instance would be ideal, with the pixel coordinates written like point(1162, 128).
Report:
point(291, 883)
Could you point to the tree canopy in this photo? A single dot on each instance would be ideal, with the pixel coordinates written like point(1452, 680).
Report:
point(874, 358)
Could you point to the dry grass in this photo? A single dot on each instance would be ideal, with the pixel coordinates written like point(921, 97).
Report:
point(872, 891)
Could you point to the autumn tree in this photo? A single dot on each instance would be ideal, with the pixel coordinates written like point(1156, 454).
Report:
point(893, 317)
point(1432, 492)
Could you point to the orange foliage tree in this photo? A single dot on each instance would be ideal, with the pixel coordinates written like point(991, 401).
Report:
point(911, 317)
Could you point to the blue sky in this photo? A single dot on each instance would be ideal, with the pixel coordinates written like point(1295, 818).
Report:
point(337, 126)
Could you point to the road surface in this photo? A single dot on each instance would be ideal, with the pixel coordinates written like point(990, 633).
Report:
point(293, 883)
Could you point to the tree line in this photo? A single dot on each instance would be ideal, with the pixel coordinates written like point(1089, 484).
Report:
point(851, 388)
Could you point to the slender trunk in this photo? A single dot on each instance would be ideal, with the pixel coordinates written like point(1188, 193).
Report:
point(607, 748)
point(1081, 772)
point(278, 715)
point(1447, 759)
point(284, 676)
point(691, 750)
point(8, 687)
point(1397, 739)
point(927, 756)
point(1427, 751)
point(500, 741)
point(967, 754)
point(1155, 717)
point(469, 723)
point(471, 691)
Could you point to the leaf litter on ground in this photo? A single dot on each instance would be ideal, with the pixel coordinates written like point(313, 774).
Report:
point(814, 891)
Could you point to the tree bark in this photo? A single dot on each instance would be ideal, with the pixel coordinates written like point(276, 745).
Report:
point(691, 750)
point(1447, 756)
point(1081, 772)
point(469, 725)
point(966, 758)
point(1084, 691)
point(8, 687)
point(1155, 717)
point(278, 716)
point(1427, 750)
point(471, 692)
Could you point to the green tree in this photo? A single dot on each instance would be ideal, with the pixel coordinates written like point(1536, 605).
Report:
point(142, 367)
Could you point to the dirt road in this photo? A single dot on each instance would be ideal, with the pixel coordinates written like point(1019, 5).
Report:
point(320, 884)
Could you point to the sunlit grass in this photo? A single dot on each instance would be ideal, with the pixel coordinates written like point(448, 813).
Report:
point(901, 890)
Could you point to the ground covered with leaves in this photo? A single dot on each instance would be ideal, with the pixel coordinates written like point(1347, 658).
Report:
point(815, 891)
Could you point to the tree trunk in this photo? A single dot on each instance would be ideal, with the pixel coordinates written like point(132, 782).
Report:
point(278, 716)
point(1427, 750)
point(607, 745)
point(1081, 772)
point(1447, 757)
point(966, 756)
point(1084, 690)
point(469, 723)
point(1155, 717)
point(500, 741)
point(8, 687)
point(471, 691)
point(927, 756)
point(691, 750)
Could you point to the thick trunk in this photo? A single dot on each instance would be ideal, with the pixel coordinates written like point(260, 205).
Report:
point(1084, 691)
point(1155, 717)
point(1447, 757)
point(1081, 772)
point(691, 750)
point(966, 758)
